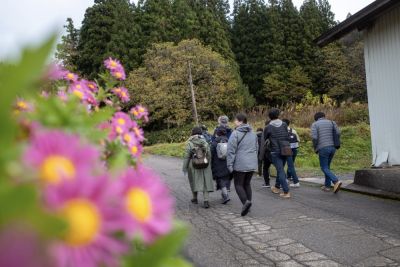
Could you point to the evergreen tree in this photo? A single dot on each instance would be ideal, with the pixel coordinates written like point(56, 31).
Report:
point(108, 30)
point(213, 30)
point(250, 32)
point(292, 28)
point(154, 18)
point(318, 18)
point(67, 50)
point(184, 22)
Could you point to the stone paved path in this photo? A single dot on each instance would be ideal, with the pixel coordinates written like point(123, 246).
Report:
point(312, 229)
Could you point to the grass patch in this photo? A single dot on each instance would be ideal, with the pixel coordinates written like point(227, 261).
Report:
point(354, 154)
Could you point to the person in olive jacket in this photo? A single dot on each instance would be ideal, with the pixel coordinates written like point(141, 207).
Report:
point(200, 180)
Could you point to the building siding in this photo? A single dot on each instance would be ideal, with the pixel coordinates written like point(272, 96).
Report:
point(382, 61)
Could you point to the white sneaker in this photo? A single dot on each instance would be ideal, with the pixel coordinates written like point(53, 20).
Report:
point(295, 185)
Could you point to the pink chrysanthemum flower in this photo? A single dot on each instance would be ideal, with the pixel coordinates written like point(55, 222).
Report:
point(112, 64)
point(140, 112)
point(122, 94)
point(58, 156)
point(22, 105)
point(93, 217)
point(120, 124)
point(136, 149)
point(119, 73)
point(92, 86)
point(69, 76)
point(20, 246)
point(79, 89)
point(128, 138)
point(139, 133)
point(56, 72)
point(148, 204)
point(91, 99)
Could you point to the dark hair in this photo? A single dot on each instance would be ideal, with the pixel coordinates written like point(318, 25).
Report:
point(221, 132)
point(260, 129)
point(319, 115)
point(241, 117)
point(274, 114)
point(286, 121)
point(196, 131)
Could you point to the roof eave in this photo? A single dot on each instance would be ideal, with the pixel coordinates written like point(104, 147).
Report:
point(360, 21)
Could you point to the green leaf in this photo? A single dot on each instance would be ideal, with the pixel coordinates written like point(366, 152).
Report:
point(21, 203)
point(18, 79)
point(162, 253)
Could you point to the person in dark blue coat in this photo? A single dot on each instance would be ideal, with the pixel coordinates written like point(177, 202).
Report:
point(218, 164)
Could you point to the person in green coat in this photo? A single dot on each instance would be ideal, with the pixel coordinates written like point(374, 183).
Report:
point(200, 180)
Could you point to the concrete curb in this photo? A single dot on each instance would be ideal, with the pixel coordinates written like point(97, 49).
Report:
point(351, 187)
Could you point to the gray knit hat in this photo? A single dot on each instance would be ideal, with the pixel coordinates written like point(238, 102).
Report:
point(223, 120)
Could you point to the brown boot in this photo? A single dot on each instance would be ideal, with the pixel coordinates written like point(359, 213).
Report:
point(275, 190)
point(285, 195)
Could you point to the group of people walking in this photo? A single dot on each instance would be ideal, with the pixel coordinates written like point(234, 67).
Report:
point(237, 154)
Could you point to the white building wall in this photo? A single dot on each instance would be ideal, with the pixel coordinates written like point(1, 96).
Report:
point(382, 59)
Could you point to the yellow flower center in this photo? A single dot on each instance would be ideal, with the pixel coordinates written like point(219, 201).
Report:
point(139, 204)
point(83, 220)
point(118, 74)
point(91, 86)
point(123, 94)
point(70, 76)
point(134, 150)
point(135, 113)
point(78, 86)
point(127, 138)
point(54, 168)
point(121, 121)
point(22, 105)
point(113, 64)
point(117, 90)
point(79, 94)
point(141, 110)
point(118, 130)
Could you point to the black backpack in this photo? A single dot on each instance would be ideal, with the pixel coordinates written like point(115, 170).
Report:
point(199, 157)
point(292, 137)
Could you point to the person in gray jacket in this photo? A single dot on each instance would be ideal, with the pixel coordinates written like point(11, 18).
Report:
point(242, 160)
point(322, 133)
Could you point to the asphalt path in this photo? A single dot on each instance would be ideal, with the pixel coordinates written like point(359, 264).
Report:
point(313, 228)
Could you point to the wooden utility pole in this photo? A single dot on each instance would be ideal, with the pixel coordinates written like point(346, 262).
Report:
point(195, 117)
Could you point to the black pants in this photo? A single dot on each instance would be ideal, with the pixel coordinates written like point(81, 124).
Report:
point(266, 167)
point(242, 185)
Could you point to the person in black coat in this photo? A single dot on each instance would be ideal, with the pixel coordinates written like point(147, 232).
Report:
point(219, 167)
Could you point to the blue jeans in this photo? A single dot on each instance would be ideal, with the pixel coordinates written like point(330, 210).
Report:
point(291, 171)
point(326, 155)
point(279, 163)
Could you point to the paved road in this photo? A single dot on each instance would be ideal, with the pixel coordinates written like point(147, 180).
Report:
point(313, 228)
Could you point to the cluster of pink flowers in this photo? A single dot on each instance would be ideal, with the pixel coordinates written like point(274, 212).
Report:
point(117, 70)
point(103, 211)
point(86, 90)
point(121, 93)
point(140, 113)
point(95, 205)
point(128, 131)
